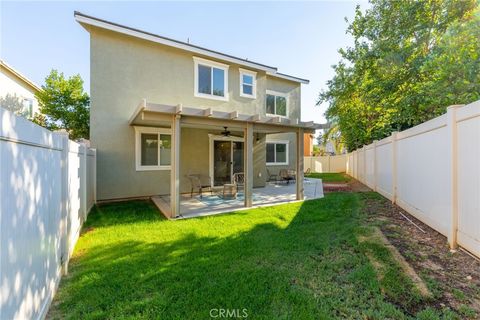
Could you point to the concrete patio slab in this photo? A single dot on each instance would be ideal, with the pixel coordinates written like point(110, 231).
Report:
point(210, 204)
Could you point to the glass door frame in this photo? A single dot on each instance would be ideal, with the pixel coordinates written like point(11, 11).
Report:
point(213, 138)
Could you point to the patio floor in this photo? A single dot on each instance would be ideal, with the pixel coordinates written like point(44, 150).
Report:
point(271, 194)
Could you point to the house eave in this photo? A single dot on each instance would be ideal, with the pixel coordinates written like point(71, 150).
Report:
point(112, 26)
point(86, 20)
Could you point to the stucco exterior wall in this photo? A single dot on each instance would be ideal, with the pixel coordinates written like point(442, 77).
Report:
point(292, 151)
point(10, 84)
point(123, 71)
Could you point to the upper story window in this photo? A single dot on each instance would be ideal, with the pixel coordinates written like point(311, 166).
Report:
point(28, 106)
point(152, 148)
point(211, 79)
point(276, 104)
point(248, 84)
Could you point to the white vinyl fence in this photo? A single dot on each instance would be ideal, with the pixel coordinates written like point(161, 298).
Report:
point(323, 164)
point(432, 171)
point(47, 187)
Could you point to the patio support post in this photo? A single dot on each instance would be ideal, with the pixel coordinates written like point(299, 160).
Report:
point(175, 168)
point(248, 163)
point(300, 195)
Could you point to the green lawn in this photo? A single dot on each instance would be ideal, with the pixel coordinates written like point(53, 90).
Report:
point(330, 177)
point(294, 261)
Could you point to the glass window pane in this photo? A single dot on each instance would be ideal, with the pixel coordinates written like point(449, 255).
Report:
point(270, 152)
point(270, 104)
point(281, 149)
point(218, 82)
point(149, 149)
point(247, 89)
point(204, 79)
point(165, 148)
point(281, 109)
point(247, 79)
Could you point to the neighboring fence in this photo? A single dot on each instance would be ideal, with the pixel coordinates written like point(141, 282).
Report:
point(432, 171)
point(47, 187)
point(326, 163)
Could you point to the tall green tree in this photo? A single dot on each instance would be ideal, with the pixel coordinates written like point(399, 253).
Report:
point(64, 105)
point(409, 61)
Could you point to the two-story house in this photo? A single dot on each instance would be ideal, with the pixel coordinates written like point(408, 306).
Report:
point(17, 92)
point(163, 109)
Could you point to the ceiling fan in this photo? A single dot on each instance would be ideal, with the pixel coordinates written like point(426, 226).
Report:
point(225, 132)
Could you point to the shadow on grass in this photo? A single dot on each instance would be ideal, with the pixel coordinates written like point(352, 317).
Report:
point(297, 261)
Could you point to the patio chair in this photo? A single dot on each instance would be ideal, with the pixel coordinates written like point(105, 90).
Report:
point(227, 192)
point(293, 174)
point(199, 182)
point(239, 180)
point(286, 176)
point(271, 176)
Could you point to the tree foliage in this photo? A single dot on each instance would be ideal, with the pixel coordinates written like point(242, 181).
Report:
point(64, 105)
point(409, 61)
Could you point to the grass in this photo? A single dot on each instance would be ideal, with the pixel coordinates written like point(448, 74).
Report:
point(294, 261)
point(330, 177)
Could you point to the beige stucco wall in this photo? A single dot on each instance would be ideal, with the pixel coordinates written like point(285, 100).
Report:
point(292, 151)
point(11, 84)
point(123, 71)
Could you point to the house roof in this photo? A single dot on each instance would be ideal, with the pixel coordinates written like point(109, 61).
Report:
point(20, 76)
point(84, 19)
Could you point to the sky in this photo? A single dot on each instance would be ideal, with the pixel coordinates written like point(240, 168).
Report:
point(299, 38)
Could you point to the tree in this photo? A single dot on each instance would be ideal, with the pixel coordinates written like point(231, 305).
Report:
point(14, 103)
point(401, 68)
point(64, 105)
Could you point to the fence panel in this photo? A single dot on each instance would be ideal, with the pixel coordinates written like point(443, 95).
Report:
point(384, 153)
point(39, 218)
point(370, 166)
point(468, 122)
point(432, 171)
point(423, 173)
point(322, 164)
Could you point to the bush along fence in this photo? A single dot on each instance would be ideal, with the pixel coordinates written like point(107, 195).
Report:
point(432, 171)
point(47, 188)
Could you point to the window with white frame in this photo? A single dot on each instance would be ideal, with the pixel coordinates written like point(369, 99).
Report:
point(211, 79)
point(248, 83)
point(276, 104)
point(152, 148)
point(28, 106)
point(277, 153)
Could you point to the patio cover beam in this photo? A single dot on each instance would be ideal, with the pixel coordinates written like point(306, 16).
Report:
point(146, 110)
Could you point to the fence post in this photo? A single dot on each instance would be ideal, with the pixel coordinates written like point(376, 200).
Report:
point(394, 166)
point(64, 225)
point(94, 185)
point(452, 126)
point(364, 164)
point(84, 178)
point(375, 165)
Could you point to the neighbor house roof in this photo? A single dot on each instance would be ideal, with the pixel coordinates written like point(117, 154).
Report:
point(19, 76)
point(104, 24)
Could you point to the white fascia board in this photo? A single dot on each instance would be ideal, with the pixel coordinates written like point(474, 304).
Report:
point(287, 77)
